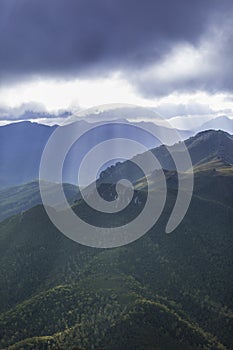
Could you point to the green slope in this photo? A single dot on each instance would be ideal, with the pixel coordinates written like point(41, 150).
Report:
point(118, 314)
point(161, 292)
point(14, 200)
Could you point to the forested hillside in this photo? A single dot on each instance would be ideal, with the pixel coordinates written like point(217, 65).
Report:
point(161, 292)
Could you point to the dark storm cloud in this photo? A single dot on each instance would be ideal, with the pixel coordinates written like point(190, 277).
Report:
point(73, 36)
point(67, 38)
point(207, 66)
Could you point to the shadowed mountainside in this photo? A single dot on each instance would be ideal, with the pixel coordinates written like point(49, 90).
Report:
point(161, 292)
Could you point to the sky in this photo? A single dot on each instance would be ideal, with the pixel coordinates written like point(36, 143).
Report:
point(69, 55)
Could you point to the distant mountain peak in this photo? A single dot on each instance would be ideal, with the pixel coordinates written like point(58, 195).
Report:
point(208, 135)
point(204, 148)
point(211, 144)
point(223, 123)
point(211, 132)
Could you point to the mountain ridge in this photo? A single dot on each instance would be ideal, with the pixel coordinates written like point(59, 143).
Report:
point(22, 197)
point(22, 145)
point(204, 147)
point(57, 294)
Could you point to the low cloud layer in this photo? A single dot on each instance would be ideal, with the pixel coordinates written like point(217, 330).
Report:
point(170, 110)
point(29, 111)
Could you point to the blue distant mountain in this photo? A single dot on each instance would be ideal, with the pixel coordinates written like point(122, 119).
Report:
point(220, 123)
point(22, 144)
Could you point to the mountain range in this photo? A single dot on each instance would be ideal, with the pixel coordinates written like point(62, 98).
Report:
point(205, 148)
point(208, 149)
point(162, 292)
point(22, 145)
